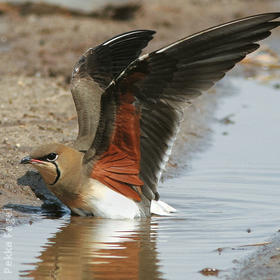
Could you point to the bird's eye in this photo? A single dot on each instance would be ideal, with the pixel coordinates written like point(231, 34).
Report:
point(52, 157)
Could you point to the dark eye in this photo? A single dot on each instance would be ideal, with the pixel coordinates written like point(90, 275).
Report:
point(52, 157)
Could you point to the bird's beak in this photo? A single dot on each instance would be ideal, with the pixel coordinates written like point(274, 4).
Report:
point(26, 160)
point(30, 160)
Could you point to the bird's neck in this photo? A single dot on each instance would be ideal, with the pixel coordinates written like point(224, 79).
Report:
point(73, 180)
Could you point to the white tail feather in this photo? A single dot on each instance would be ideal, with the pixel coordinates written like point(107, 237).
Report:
point(161, 208)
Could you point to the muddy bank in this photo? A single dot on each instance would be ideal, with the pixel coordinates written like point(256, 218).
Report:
point(37, 52)
point(263, 264)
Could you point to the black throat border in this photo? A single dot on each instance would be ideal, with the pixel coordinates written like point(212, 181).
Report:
point(57, 174)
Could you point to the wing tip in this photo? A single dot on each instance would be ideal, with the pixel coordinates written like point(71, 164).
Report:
point(146, 33)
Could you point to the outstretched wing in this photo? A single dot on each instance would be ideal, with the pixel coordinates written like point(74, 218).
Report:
point(145, 102)
point(102, 64)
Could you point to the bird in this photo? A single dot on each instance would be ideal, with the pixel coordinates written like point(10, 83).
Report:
point(129, 107)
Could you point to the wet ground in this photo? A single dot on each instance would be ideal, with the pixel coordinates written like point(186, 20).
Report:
point(223, 177)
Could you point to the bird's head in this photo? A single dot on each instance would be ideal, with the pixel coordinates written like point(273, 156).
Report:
point(57, 163)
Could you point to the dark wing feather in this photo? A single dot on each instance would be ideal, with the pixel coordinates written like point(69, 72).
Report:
point(108, 60)
point(101, 65)
point(161, 82)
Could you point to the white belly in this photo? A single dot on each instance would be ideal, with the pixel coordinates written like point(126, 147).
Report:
point(106, 203)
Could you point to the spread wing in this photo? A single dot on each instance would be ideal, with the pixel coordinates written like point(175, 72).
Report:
point(141, 109)
point(102, 64)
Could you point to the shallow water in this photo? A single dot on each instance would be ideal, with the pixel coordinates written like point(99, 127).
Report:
point(229, 197)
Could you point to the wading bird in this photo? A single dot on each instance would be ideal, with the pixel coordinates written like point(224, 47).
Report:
point(129, 109)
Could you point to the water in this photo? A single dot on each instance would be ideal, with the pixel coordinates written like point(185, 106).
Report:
point(228, 198)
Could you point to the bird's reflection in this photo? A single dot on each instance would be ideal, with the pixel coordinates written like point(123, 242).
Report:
point(89, 248)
